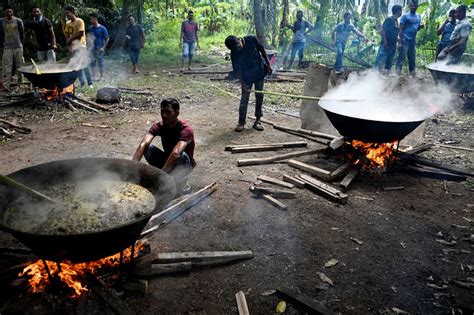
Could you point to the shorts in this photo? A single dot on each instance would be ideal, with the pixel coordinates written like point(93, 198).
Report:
point(189, 49)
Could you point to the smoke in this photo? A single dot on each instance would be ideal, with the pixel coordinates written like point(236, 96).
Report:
point(388, 99)
point(81, 56)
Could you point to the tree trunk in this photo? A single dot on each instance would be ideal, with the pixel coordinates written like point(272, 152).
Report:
point(120, 39)
point(259, 25)
point(284, 22)
point(140, 12)
point(320, 17)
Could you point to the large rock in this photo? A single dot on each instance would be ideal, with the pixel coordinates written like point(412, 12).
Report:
point(108, 95)
point(312, 115)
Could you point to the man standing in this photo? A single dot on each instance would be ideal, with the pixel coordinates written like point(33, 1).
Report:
point(340, 35)
point(388, 46)
point(251, 65)
point(410, 24)
point(300, 28)
point(445, 30)
point(177, 139)
point(100, 38)
point(459, 37)
point(189, 39)
point(135, 41)
point(11, 39)
point(45, 39)
point(75, 33)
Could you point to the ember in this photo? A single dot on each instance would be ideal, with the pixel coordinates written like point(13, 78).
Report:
point(56, 93)
point(72, 275)
point(379, 154)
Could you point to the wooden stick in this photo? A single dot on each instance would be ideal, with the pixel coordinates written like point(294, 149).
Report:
point(19, 102)
point(346, 182)
point(341, 170)
point(6, 132)
point(435, 164)
point(292, 180)
point(242, 303)
point(318, 140)
point(435, 173)
point(259, 190)
point(325, 190)
point(69, 105)
point(203, 258)
point(305, 97)
point(455, 147)
point(138, 285)
point(265, 147)
point(13, 183)
point(82, 105)
point(336, 143)
point(94, 126)
point(15, 126)
point(152, 269)
point(179, 208)
point(276, 158)
point(316, 171)
point(274, 202)
point(420, 148)
point(305, 132)
point(275, 181)
point(91, 103)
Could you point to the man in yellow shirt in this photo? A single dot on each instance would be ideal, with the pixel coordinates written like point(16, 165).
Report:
point(75, 33)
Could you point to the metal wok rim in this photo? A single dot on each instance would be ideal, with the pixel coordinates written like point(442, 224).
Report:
point(448, 72)
point(31, 70)
point(140, 219)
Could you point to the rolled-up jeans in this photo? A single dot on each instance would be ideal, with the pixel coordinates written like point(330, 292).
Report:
point(189, 48)
point(98, 58)
point(244, 100)
point(157, 158)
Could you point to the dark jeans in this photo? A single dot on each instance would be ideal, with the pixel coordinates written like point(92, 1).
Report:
point(297, 47)
point(98, 58)
point(455, 56)
point(244, 100)
point(439, 48)
point(157, 158)
point(407, 51)
point(385, 56)
point(340, 48)
point(134, 54)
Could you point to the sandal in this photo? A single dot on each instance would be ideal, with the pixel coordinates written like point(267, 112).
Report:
point(258, 126)
point(239, 128)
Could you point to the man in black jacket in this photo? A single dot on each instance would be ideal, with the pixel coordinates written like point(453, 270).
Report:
point(251, 64)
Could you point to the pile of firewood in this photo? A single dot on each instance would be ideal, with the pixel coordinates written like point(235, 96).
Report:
point(8, 129)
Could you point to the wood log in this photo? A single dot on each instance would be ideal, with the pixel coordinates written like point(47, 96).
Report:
point(5, 132)
point(275, 181)
point(292, 180)
point(277, 158)
point(265, 147)
point(94, 126)
point(23, 101)
point(341, 170)
point(275, 202)
point(15, 126)
point(242, 303)
point(336, 143)
point(317, 140)
point(262, 120)
point(108, 296)
point(204, 258)
point(136, 285)
point(435, 173)
point(305, 132)
point(69, 105)
point(435, 164)
point(419, 148)
point(204, 72)
point(316, 171)
point(91, 103)
point(305, 304)
point(455, 147)
point(346, 182)
point(152, 269)
point(82, 105)
point(259, 190)
point(325, 190)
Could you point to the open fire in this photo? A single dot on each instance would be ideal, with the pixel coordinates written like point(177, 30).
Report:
point(56, 93)
point(380, 154)
point(70, 274)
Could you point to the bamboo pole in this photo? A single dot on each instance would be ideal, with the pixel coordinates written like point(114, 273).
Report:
point(13, 183)
point(305, 97)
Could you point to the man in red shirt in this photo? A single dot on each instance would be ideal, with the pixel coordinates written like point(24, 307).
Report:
point(177, 139)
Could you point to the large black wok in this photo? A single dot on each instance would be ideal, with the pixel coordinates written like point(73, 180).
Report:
point(94, 245)
point(459, 82)
point(367, 130)
point(51, 77)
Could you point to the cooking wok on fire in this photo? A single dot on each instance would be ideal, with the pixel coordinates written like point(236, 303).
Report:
point(50, 76)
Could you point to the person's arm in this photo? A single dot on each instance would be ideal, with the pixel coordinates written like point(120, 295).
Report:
point(142, 37)
point(358, 33)
point(21, 30)
point(309, 28)
point(333, 36)
point(143, 146)
point(291, 27)
point(197, 37)
point(107, 38)
point(174, 156)
point(400, 34)
point(460, 42)
point(181, 36)
point(51, 32)
point(441, 28)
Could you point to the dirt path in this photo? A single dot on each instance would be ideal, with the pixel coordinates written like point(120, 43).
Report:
point(394, 266)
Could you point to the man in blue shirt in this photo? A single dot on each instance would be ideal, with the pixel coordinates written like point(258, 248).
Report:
point(99, 39)
point(445, 31)
point(340, 35)
point(300, 28)
point(388, 46)
point(410, 24)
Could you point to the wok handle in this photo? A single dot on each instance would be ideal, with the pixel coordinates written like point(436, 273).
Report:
point(13, 183)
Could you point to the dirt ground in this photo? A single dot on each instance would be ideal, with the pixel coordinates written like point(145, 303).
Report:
point(398, 266)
